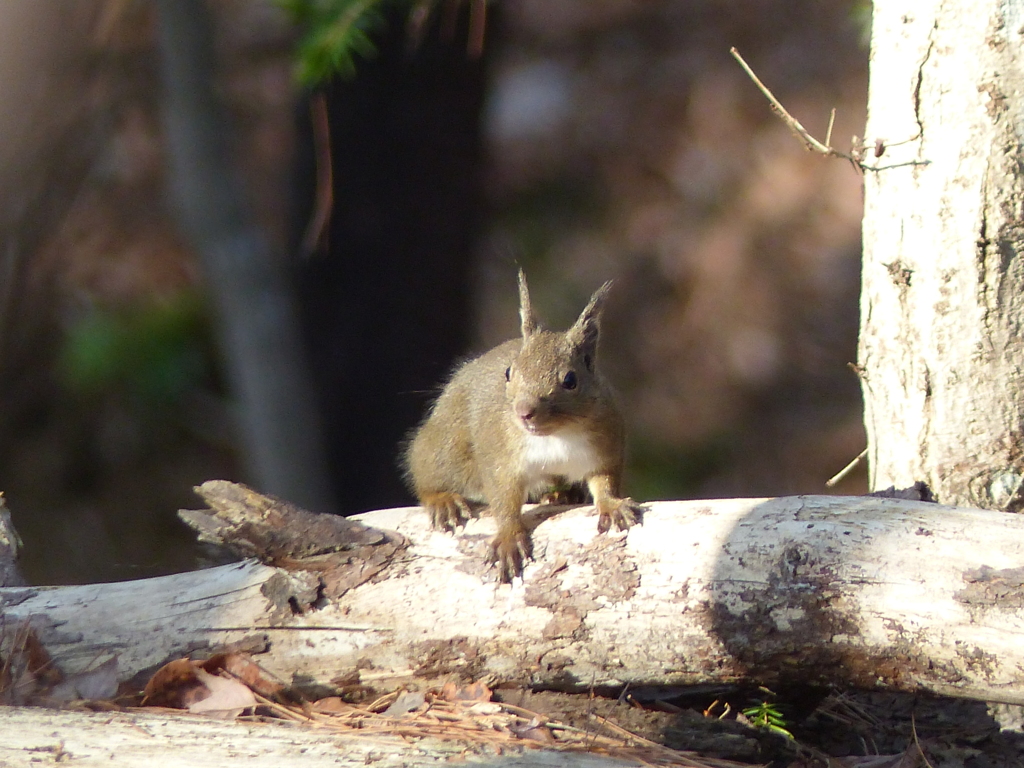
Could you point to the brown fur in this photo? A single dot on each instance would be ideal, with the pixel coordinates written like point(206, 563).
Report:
point(531, 412)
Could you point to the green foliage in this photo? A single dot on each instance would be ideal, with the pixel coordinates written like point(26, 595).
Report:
point(333, 33)
point(766, 715)
point(157, 352)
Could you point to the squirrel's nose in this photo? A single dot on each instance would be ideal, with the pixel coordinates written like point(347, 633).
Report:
point(525, 410)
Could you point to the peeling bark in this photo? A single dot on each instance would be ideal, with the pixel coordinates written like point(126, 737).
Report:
point(849, 591)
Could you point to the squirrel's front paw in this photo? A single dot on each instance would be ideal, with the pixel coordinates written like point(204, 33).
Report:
point(510, 550)
point(622, 513)
point(448, 511)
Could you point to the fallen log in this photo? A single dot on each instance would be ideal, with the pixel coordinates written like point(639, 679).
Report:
point(33, 737)
point(851, 591)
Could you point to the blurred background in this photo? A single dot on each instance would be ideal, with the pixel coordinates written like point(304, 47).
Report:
point(586, 140)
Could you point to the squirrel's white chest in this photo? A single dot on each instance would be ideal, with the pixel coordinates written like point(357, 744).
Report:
point(566, 454)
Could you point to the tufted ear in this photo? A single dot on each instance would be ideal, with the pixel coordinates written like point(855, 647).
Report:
point(526, 316)
point(584, 332)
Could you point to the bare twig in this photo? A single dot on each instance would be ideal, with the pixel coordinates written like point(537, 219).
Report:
point(855, 156)
point(317, 231)
point(794, 125)
point(913, 731)
point(477, 27)
point(838, 476)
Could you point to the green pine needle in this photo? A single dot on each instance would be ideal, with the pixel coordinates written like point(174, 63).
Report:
point(334, 33)
point(767, 716)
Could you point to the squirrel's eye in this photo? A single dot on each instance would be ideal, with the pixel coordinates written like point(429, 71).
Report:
point(508, 373)
point(569, 382)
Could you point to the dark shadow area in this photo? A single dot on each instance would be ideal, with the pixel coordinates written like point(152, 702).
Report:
point(386, 302)
point(797, 630)
point(823, 722)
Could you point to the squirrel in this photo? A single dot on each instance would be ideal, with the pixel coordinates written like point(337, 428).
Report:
point(528, 415)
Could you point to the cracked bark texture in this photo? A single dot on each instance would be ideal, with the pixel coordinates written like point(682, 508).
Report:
point(824, 590)
point(940, 358)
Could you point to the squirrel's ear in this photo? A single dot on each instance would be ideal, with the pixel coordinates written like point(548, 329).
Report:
point(584, 332)
point(526, 316)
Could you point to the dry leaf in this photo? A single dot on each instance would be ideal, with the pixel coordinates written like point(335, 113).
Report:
point(468, 694)
point(535, 730)
point(448, 692)
point(407, 702)
point(39, 662)
point(185, 684)
point(27, 667)
point(173, 685)
point(227, 699)
point(332, 705)
point(242, 667)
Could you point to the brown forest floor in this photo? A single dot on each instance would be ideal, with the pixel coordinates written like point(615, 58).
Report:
point(861, 727)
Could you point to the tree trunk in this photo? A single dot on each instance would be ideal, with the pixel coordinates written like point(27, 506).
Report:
point(387, 301)
point(847, 591)
point(257, 322)
point(940, 357)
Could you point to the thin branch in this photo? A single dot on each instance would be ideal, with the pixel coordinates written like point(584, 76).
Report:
point(913, 731)
point(317, 231)
point(794, 125)
point(838, 476)
point(477, 28)
point(855, 156)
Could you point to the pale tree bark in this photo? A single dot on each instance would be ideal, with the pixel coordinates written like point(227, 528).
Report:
point(40, 737)
point(941, 358)
point(880, 593)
